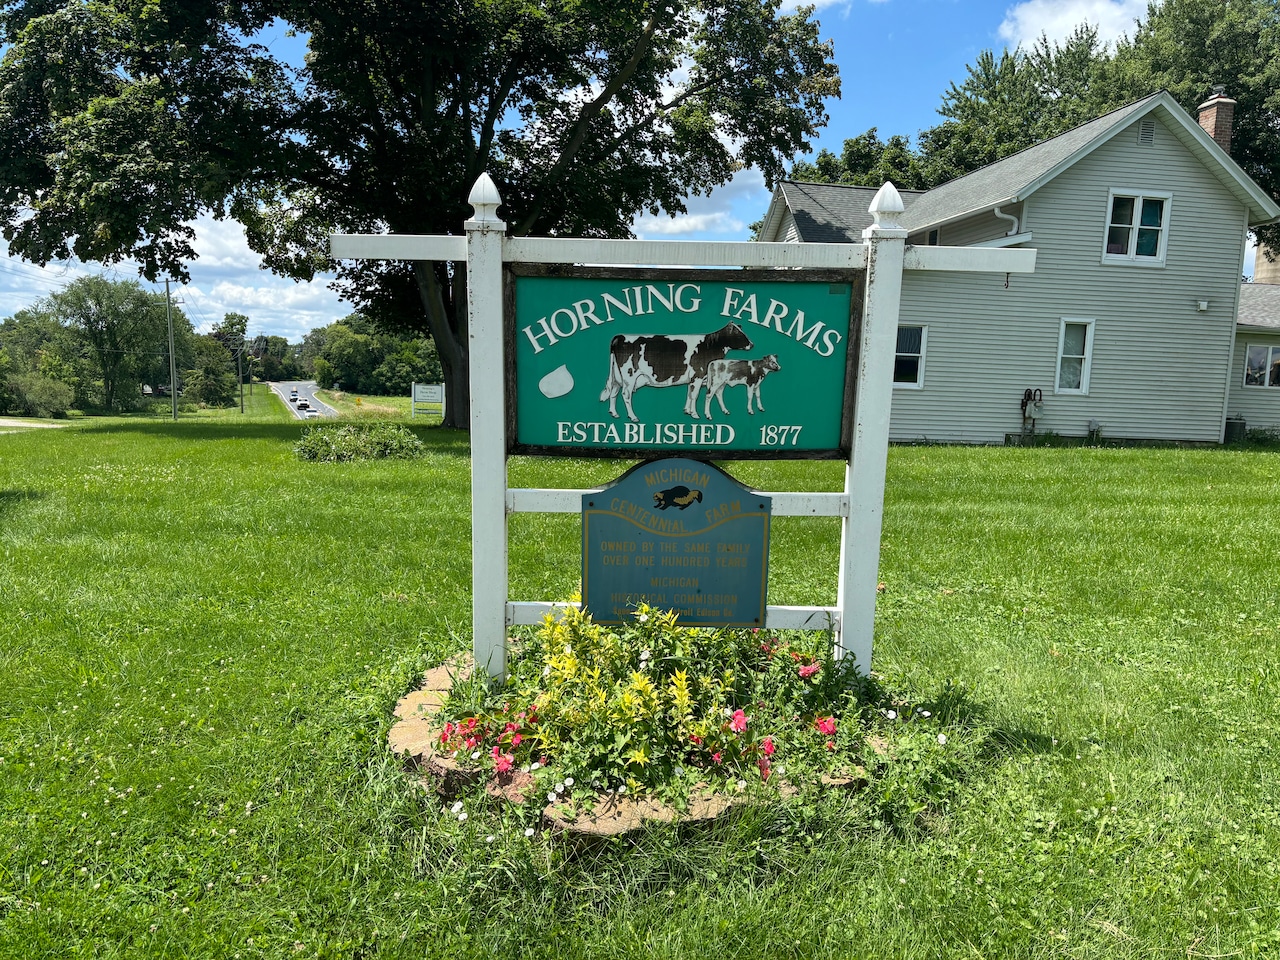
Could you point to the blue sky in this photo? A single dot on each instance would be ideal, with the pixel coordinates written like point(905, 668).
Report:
point(896, 58)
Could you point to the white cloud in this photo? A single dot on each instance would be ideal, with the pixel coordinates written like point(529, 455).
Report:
point(723, 215)
point(1025, 22)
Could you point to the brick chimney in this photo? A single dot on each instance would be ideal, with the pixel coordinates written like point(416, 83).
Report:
point(1216, 115)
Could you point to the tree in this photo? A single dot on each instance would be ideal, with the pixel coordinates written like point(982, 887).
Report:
point(125, 328)
point(1008, 102)
point(211, 379)
point(121, 122)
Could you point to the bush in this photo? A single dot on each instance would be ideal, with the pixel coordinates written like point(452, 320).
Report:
point(38, 396)
point(333, 443)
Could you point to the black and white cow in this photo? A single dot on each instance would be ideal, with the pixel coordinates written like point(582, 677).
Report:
point(658, 360)
point(732, 373)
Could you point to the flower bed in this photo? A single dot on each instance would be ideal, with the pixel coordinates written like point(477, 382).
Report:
point(608, 726)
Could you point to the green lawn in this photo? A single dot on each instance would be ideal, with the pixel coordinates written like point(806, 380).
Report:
point(201, 640)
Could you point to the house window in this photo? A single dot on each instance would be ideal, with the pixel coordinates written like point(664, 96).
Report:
point(1137, 227)
point(908, 360)
point(1075, 349)
point(1262, 366)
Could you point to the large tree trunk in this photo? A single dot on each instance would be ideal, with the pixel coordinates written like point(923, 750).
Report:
point(444, 298)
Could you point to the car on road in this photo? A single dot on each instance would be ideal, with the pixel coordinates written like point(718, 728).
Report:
point(310, 414)
point(304, 404)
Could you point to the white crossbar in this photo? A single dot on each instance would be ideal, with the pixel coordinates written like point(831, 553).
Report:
point(523, 613)
point(840, 256)
point(533, 500)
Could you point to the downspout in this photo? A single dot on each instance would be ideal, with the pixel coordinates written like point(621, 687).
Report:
point(1013, 231)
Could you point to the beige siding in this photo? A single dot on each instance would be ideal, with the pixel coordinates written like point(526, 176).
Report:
point(1159, 366)
point(1260, 406)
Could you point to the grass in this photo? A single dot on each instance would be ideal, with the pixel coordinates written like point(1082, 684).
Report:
point(364, 405)
point(202, 638)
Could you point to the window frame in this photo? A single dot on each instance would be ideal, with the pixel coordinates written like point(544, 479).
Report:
point(924, 346)
point(1273, 358)
point(1131, 258)
point(1086, 365)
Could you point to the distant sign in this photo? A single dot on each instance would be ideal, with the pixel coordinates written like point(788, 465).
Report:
point(659, 362)
point(428, 393)
point(681, 535)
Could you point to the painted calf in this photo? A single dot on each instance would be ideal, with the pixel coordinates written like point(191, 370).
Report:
point(732, 373)
point(654, 360)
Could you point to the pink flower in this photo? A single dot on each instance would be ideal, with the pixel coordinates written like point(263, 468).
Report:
point(825, 725)
point(695, 739)
point(763, 764)
point(510, 728)
point(766, 746)
point(739, 722)
point(504, 762)
point(831, 745)
point(716, 756)
point(809, 671)
point(515, 740)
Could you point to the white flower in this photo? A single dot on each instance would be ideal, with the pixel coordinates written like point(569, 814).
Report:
point(891, 714)
point(475, 754)
point(552, 797)
point(645, 654)
point(525, 768)
point(534, 766)
point(489, 839)
point(642, 617)
point(942, 739)
point(742, 785)
point(528, 831)
point(623, 788)
point(462, 816)
point(926, 714)
point(457, 806)
point(568, 648)
point(559, 788)
point(568, 781)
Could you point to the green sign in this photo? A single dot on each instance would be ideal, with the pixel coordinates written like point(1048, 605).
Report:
point(654, 363)
point(680, 535)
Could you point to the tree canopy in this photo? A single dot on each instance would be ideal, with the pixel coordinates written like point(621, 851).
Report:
point(120, 122)
point(1011, 100)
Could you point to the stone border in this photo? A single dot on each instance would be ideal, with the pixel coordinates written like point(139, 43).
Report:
point(416, 733)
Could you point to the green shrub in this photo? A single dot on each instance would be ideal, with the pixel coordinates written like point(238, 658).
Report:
point(332, 443)
point(39, 396)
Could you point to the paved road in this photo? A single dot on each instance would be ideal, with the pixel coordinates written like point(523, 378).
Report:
point(306, 390)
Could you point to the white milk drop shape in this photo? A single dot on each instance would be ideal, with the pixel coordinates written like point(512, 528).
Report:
point(556, 383)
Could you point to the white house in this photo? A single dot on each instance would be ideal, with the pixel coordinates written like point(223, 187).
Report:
point(1128, 324)
point(1255, 369)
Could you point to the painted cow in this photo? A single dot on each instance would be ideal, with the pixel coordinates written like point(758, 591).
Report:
point(656, 360)
point(732, 373)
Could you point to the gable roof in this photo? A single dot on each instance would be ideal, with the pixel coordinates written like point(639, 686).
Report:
point(826, 212)
point(1260, 306)
point(1018, 176)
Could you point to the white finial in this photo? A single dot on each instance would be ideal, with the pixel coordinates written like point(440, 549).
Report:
point(886, 206)
point(484, 200)
point(884, 209)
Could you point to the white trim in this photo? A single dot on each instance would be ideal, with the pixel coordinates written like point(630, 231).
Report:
point(924, 344)
point(1085, 366)
point(1006, 241)
point(785, 503)
point(1138, 196)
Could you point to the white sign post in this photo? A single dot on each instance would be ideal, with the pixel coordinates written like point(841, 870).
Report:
point(485, 248)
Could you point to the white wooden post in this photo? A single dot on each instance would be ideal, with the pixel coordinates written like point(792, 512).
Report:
point(488, 430)
point(865, 471)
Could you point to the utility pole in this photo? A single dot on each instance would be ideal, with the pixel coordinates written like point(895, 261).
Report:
point(240, 372)
point(173, 361)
